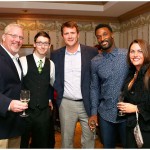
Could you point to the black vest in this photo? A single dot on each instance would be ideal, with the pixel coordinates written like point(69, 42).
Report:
point(38, 84)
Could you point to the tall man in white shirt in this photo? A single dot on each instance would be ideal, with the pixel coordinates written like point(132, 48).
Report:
point(72, 84)
point(11, 124)
point(39, 73)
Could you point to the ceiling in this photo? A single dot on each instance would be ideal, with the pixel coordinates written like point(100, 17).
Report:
point(82, 8)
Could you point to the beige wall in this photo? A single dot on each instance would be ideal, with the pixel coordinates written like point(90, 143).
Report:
point(138, 27)
point(125, 32)
point(31, 27)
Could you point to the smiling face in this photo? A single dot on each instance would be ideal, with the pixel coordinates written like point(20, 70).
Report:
point(70, 36)
point(41, 46)
point(104, 38)
point(12, 40)
point(136, 55)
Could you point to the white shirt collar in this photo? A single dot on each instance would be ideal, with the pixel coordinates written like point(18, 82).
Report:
point(37, 59)
point(78, 50)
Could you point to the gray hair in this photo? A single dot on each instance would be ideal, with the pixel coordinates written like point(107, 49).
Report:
point(9, 26)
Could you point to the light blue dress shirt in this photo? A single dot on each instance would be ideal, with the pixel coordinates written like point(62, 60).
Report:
point(72, 77)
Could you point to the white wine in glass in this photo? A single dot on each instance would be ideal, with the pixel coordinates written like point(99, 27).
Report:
point(24, 98)
point(121, 99)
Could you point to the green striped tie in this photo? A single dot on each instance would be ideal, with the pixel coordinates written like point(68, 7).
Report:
point(40, 66)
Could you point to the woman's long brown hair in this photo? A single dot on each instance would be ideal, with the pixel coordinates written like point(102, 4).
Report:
point(145, 47)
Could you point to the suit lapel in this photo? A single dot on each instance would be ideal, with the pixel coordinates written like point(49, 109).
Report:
point(9, 61)
point(21, 69)
point(83, 62)
point(14, 69)
point(62, 65)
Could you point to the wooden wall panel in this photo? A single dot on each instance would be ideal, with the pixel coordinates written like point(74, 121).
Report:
point(134, 34)
point(59, 40)
point(82, 37)
point(53, 38)
point(121, 45)
point(89, 39)
point(130, 36)
point(140, 34)
point(145, 32)
point(32, 34)
point(125, 44)
point(117, 38)
point(149, 33)
point(26, 37)
point(1, 32)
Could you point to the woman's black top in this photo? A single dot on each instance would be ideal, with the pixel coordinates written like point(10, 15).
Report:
point(139, 96)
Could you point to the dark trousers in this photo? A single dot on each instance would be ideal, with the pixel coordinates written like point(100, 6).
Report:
point(39, 129)
point(109, 131)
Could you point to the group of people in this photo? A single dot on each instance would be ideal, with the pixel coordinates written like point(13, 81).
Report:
point(16, 74)
point(88, 84)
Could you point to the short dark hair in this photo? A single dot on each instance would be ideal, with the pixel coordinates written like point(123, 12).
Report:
point(42, 33)
point(69, 24)
point(103, 26)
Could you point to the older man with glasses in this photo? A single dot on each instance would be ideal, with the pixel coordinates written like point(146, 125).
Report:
point(11, 124)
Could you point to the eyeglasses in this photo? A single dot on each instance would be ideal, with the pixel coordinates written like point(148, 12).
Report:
point(14, 36)
point(42, 43)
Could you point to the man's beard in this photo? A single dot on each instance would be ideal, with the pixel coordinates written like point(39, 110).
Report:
point(109, 44)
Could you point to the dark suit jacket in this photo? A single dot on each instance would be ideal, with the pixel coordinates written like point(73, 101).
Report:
point(58, 56)
point(10, 86)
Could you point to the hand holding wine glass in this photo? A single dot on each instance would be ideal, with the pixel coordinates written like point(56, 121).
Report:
point(24, 98)
point(121, 99)
point(17, 106)
point(93, 128)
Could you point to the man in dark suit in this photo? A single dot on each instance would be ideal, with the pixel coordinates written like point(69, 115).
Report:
point(72, 84)
point(11, 124)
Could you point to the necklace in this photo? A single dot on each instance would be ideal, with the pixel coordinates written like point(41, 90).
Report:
point(135, 74)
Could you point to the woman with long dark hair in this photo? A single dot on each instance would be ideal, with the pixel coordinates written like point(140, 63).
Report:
point(137, 92)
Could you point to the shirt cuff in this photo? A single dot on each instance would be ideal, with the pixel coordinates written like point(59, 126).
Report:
point(9, 108)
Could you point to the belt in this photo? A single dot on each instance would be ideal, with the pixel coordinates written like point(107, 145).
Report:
point(78, 100)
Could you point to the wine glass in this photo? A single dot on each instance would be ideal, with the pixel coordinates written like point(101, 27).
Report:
point(93, 125)
point(121, 99)
point(24, 98)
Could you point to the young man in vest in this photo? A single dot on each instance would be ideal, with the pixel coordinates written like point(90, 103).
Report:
point(39, 73)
